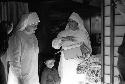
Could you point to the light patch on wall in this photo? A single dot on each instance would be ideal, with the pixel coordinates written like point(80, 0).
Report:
point(96, 24)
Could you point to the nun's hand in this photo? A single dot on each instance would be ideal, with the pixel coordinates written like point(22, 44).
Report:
point(56, 43)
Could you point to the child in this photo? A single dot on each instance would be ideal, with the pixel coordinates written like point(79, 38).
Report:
point(50, 74)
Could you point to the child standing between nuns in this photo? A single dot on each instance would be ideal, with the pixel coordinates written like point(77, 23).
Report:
point(50, 73)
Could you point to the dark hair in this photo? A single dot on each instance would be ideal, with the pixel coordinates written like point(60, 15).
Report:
point(49, 58)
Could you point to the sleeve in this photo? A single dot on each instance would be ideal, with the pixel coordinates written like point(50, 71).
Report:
point(71, 38)
point(14, 50)
point(74, 39)
point(66, 37)
point(44, 77)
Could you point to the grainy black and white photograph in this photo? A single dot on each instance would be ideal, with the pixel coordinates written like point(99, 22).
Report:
point(62, 42)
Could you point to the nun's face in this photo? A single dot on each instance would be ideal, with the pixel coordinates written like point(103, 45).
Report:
point(30, 29)
point(73, 25)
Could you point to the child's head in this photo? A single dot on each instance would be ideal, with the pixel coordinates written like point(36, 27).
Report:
point(50, 63)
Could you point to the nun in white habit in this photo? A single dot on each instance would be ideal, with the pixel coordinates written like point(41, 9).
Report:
point(76, 48)
point(22, 53)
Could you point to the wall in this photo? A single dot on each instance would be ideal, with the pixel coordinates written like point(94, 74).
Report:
point(118, 36)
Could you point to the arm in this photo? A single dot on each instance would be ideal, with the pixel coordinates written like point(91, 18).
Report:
point(67, 38)
point(74, 39)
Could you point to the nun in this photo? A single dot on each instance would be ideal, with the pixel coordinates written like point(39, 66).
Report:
point(22, 52)
point(76, 64)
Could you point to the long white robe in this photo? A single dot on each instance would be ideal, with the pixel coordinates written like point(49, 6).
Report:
point(22, 55)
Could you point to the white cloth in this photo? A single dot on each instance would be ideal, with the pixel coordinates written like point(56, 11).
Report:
point(12, 79)
point(68, 72)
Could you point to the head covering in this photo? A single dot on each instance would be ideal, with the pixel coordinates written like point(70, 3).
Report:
point(74, 16)
point(28, 19)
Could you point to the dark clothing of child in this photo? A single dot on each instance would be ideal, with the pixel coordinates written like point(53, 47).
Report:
point(50, 76)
